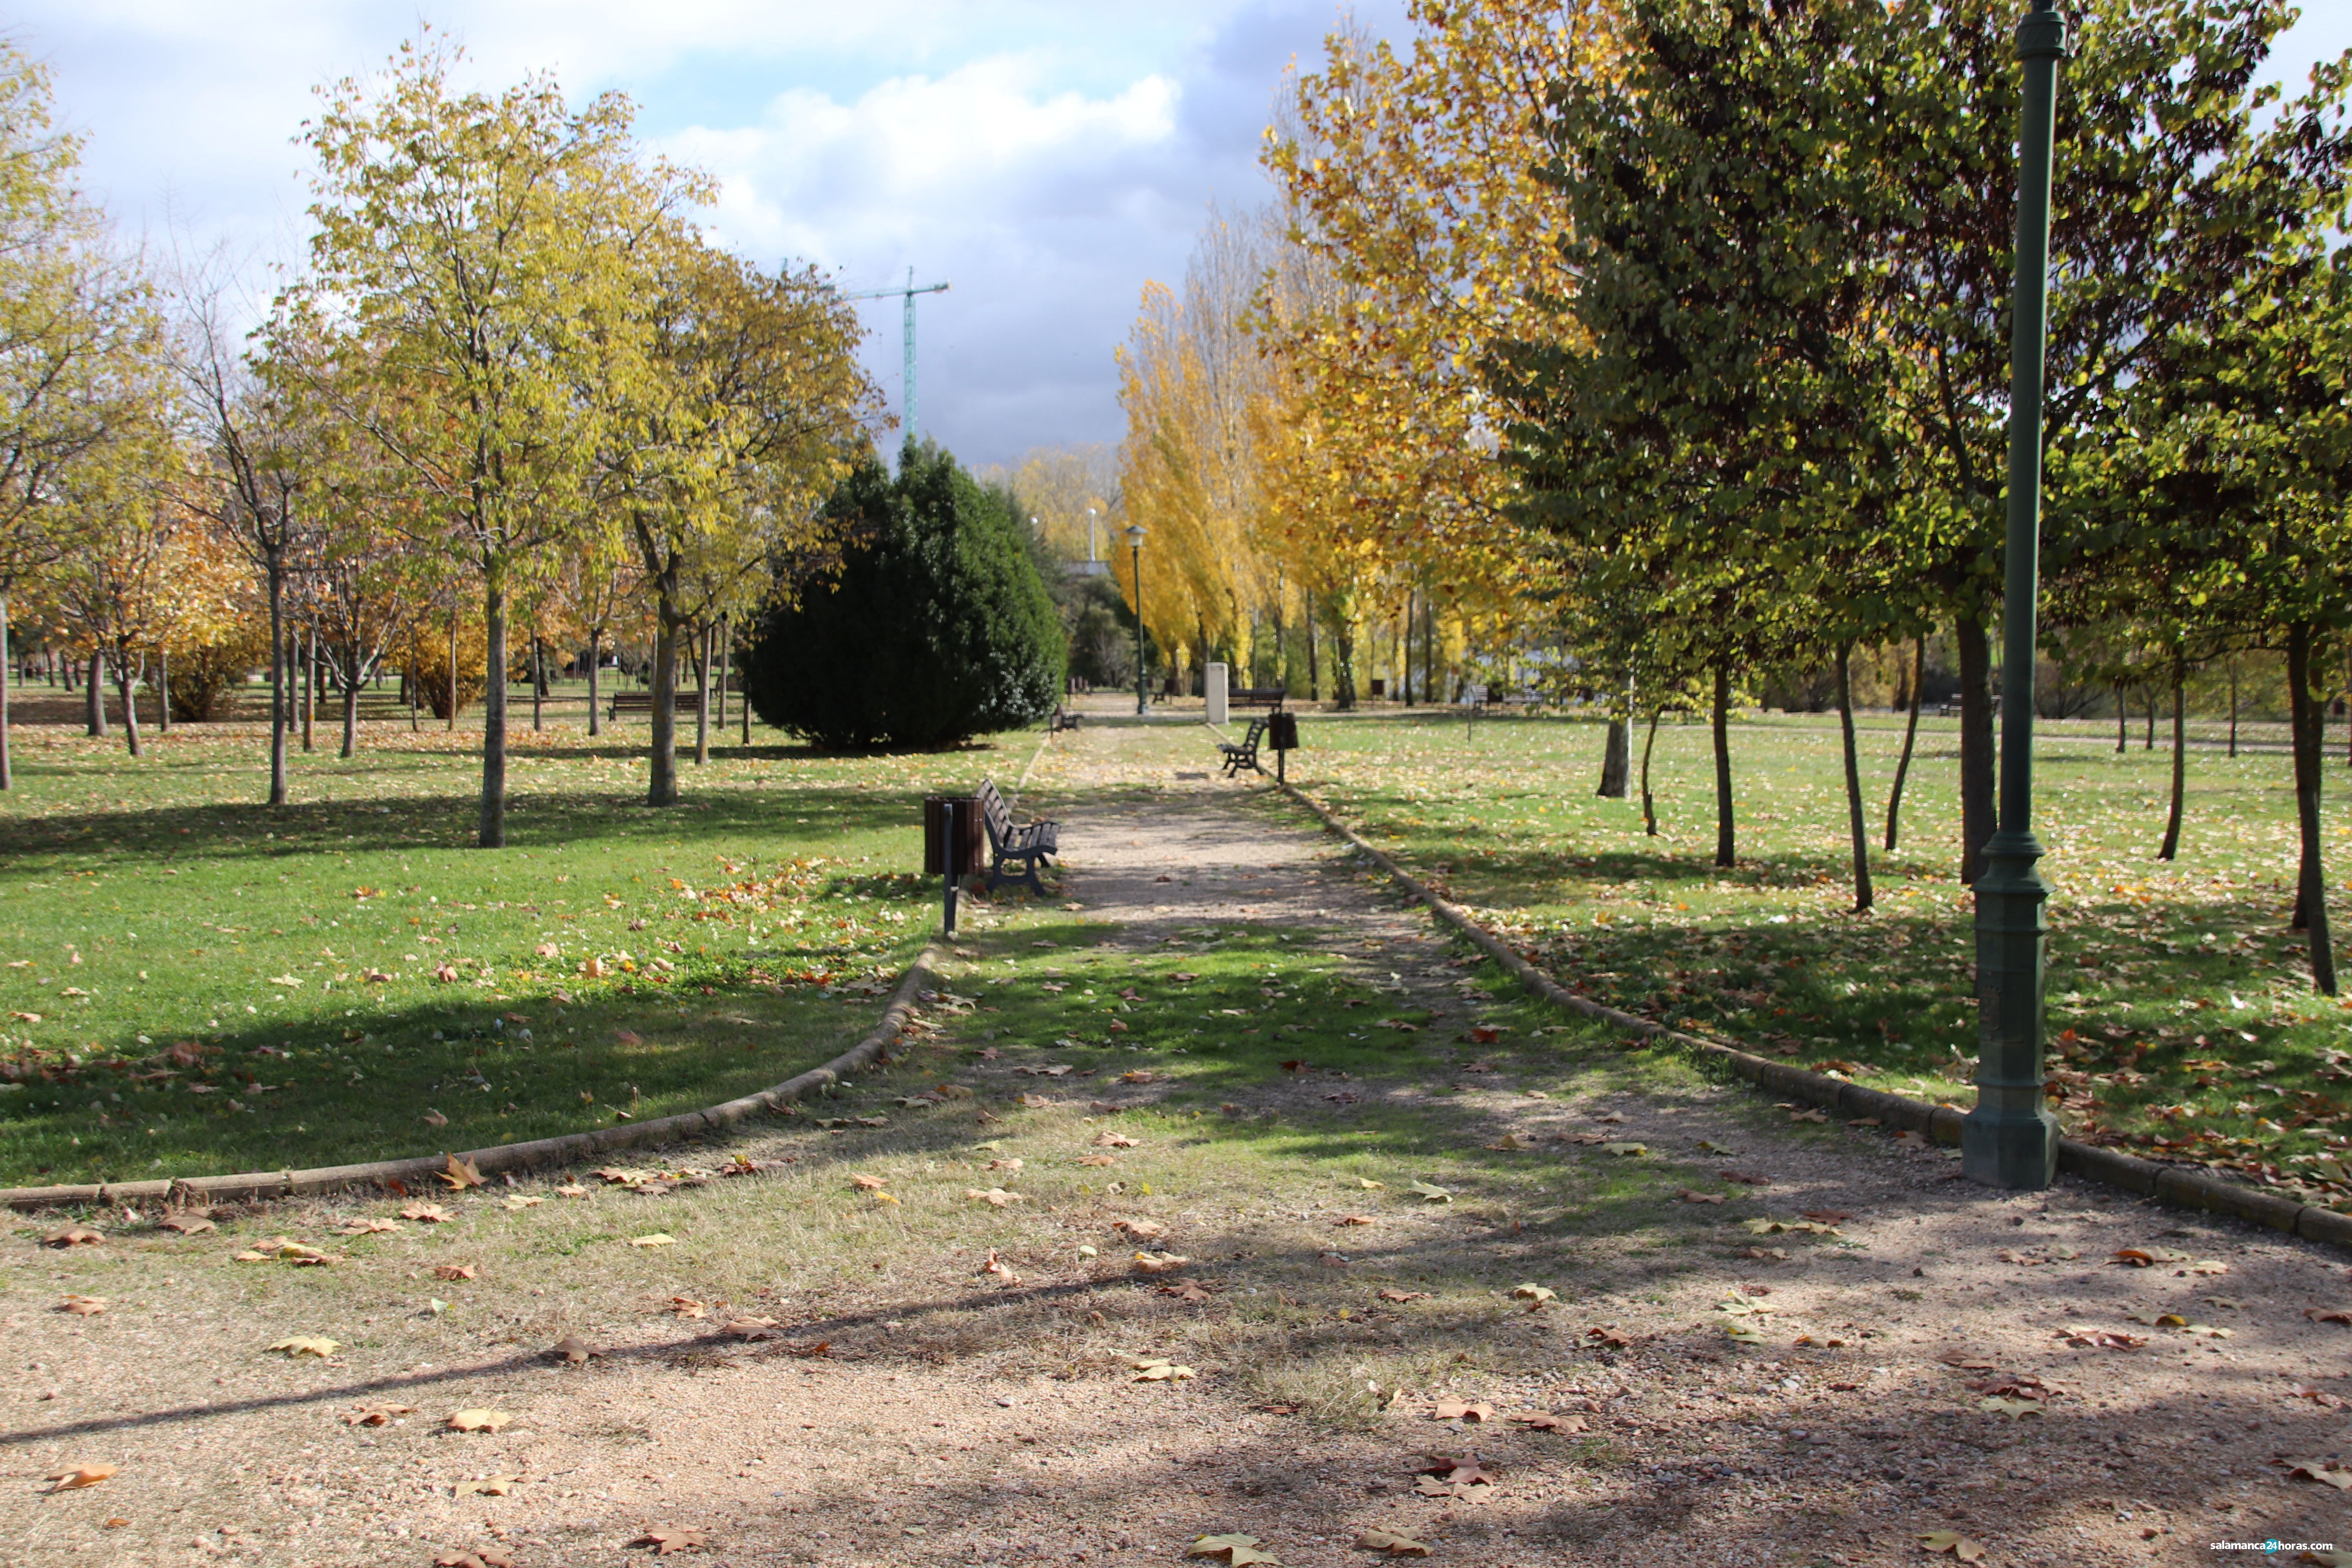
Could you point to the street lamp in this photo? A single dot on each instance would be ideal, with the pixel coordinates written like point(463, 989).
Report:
point(2011, 1140)
point(1135, 542)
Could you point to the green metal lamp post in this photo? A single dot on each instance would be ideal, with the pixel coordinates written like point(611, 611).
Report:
point(1135, 542)
point(2011, 1140)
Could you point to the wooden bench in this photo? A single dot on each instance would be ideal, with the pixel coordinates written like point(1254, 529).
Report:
point(1258, 696)
point(1027, 846)
point(1243, 753)
point(1064, 719)
point(685, 703)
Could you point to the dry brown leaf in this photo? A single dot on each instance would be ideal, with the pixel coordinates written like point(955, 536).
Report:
point(1348, 1219)
point(1106, 1138)
point(367, 1228)
point(300, 1346)
point(1391, 1293)
point(687, 1307)
point(1610, 1337)
point(83, 1306)
point(2326, 1472)
point(73, 1235)
point(486, 1486)
point(1690, 1196)
point(459, 1173)
point(479, 1420)
point(671, 1538)
point(1187, 1290)
point(1238, 1550)
point(427, 1214)
point(573, 1349)
point(454, 1272)
point(659, 1238)
point(752, 1330)
point(434, 1119)
point(1010, 1164)
point(1545, 1421)
point(996, 1197)
point(1099, 1160)
point(1953, 1541)
point(995, 1266)
point(1461, 1410)
point(80, 1476)
point(1393, 1544)
point(1140, 1229)
point(1158, 1262)
point(186, 1224)
point(376, 1415)
point(866, 1184)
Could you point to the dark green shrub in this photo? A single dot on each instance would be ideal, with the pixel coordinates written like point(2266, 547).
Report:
point(936, 626)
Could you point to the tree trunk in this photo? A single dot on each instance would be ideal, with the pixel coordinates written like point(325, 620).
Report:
point(720, 646)
point(662, 783)
point(1910, 735)
point(595, 661)
point(93, 693)
point(2171, 846)
point(453, 665)
point(163, 688)
point(1314, 671)
point(1615, 756)
point(306, 648)
point(2233, 705)
point(702, 696)
point(1724, 844)
point(124, 676)
point(1855, 824)
point(350, 717)
point(7, 777)
point(1648, 812)
point(2122, 721)
point(494, 711)
point(2307, 717)
point(1975, 742)
point(2149, 744)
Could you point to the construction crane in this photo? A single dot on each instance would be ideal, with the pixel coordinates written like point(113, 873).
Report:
point(907, 392)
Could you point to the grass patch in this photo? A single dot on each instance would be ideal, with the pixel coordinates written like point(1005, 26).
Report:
point(194, 983)
point(2182, 1016)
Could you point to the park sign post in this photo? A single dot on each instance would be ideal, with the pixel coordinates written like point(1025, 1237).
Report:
point(2011, 1140)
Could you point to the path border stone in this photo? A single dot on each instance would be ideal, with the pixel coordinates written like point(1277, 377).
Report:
point(421, 1169)
point(2145, 1178)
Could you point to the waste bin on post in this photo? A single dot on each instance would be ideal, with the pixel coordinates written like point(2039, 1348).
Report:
point(1282, 737)
point(952, 846)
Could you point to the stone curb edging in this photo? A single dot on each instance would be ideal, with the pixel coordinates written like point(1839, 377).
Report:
point(574, 1146)
point(2146, 1178)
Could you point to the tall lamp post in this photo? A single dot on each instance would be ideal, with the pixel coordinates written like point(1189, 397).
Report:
point(2011, 1140)
point(1135, 542)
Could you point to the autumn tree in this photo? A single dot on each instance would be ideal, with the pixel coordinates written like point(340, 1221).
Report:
point(479, 261)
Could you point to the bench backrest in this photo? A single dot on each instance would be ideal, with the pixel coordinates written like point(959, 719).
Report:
point(1256, 730)
point(991, 805)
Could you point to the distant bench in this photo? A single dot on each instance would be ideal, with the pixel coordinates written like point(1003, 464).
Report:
point(1258, 696)
point(642, 702)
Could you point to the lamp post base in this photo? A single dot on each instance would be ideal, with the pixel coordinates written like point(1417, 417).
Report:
point(2009, 1140)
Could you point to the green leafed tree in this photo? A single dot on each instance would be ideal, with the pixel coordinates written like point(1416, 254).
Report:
point(934, 627)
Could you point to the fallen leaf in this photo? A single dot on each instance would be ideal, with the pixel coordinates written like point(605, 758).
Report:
point(1348, 1219)
point(1826, 1216)
point(2206, 1266)
point(520, 1201)
point(2325, 1471)
point(1998, 1406)
point(659, 1238)
point(752, 1330)
point(1625, 1150)
point(454, 1272)
point(1431, 1194)
point(667, 1540)
point(83, 1306)
point(186, 1224)
point(434, 1119)
point(2144, 1257)
point(80, 1476)
point(1689, 1197)
point(301, 1347)
point(1535, 1295)
point(1545, 1421)
point(1461, 1410)
point(429, 1214)
point(1158, 1369)
point(479, 1420)
point(1140, 1229)
point(1395, 1545)
point(1187, 1290)
point(486, 1486)
point(687, 1307)
point(995, 1266)
point(2318, 1316)
point(866, 1184)
point(1099, 1160)
point(1953, 1541)
point(1158, 1262)
point(571, 1350)
point(1237, 1550)
point(1012, 1165)
point(459, 1173)
point(627, 1037)
point(1106, 1138)
point(1509, 1143)
point(1610, 1337)
point(1777, 1254)
point(73, 1235)
point(995, 1197)
point(572, 1190)
point(376, 1415)
point(1393, 1294)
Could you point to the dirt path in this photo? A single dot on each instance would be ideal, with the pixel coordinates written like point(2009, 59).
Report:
point(891, 1398)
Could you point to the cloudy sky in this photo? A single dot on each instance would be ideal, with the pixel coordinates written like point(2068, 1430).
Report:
point(1044, 157)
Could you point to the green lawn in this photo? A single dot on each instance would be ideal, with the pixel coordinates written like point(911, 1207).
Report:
point(192, 983)
point(2181, 1009)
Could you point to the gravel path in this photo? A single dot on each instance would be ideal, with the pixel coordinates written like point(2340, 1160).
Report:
point(937, 1416)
